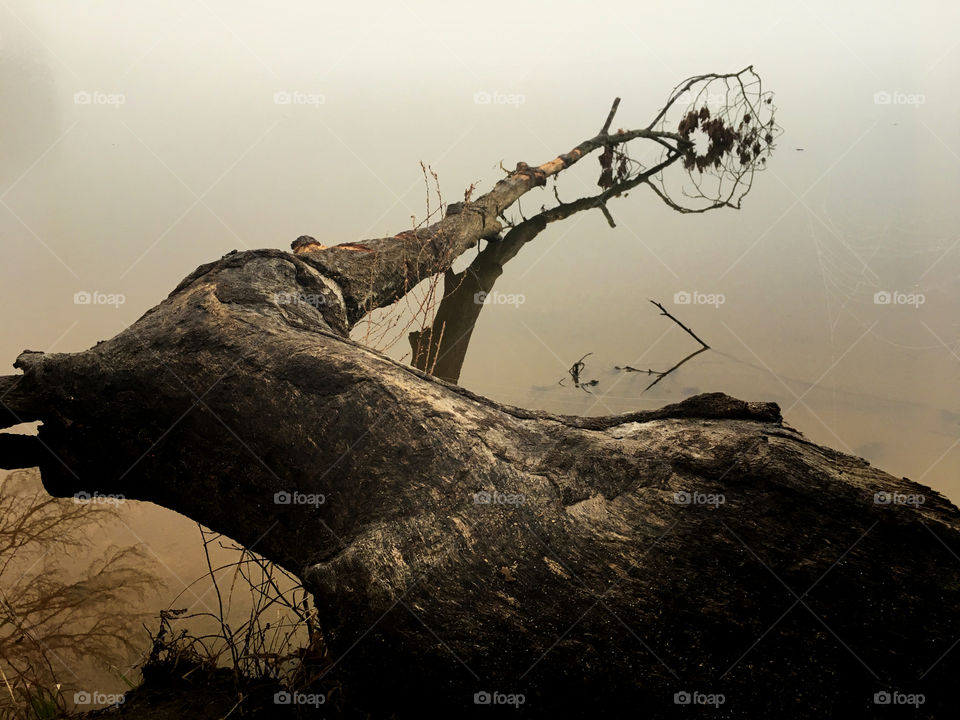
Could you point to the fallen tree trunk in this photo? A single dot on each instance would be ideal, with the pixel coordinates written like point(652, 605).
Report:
point(456, 546)
point(582, 578)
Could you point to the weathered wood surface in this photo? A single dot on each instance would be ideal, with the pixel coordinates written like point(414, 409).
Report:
point(598, 593)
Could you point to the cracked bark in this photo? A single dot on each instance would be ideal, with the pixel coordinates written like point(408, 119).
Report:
point(222, 396)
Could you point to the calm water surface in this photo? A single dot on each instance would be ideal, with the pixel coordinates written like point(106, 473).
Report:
point(138, 143)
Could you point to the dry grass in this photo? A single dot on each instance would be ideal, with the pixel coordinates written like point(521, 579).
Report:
point(54, 617)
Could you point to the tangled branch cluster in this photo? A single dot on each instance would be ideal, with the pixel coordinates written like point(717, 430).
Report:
point(727, 130)
point(747, 142)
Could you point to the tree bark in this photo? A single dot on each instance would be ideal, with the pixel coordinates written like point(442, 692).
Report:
point(598, 589)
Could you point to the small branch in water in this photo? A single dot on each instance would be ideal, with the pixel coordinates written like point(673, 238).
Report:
point(575, 371)
point(628, 368)
point(662, 375)
point(663, 311)
point(577, 368)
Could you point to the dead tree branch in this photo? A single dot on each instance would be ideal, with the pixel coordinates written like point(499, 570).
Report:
point(691, 333)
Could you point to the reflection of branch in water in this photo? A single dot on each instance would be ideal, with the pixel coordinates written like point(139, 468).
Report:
point(740, 137)
point(733, 121)
point(441, 348)
point(662, 375)
point(575, 371)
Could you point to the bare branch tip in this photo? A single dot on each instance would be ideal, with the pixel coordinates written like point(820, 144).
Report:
point(613, 111)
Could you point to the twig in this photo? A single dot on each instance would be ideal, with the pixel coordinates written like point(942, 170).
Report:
point(224, 627)
point(629, 368)
point(575, 371)
point(608, 216)
point(663, 311)
point(661, 376)
point(613, 111)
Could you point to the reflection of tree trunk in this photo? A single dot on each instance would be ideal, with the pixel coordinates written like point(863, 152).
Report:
point(440, 348)
point(429, 352)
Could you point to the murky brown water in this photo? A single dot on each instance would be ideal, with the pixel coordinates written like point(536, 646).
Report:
point(138, 143)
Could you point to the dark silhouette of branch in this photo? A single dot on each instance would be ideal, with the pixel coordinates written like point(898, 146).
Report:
point(613, 111)
point(730, 121)
point(575, 371)
point(661, 375)
point(441, 347)
point(663, 311)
